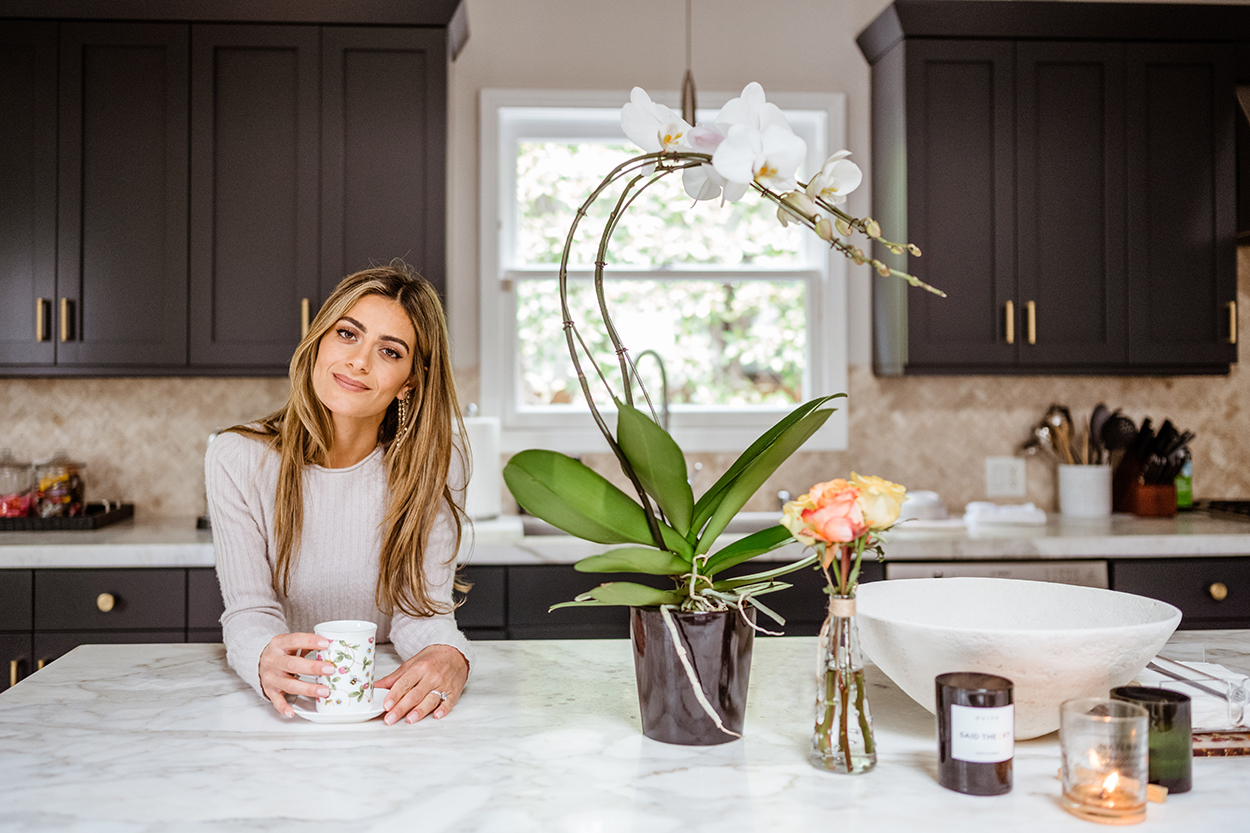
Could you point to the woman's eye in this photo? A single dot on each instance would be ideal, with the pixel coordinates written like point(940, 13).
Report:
point(393, 354)
point(345, 333)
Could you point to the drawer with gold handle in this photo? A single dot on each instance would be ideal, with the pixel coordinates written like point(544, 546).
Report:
point(84, 600)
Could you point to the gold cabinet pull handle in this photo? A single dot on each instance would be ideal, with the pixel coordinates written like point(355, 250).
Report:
point(1232, 322)
point(1218, 591)
point(1030, 310)
point(39, 664)
point(1011, 323)
point(65, 319)
point(303, 318)
point(12, 673)
point(105, 602)
point(40, 317)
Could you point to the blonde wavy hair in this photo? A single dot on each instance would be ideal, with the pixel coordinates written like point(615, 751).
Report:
point(419, 454)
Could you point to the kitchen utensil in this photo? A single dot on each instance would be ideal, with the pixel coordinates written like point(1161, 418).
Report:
point(1097, 419)
point(1118, 432)
point(1063, 437)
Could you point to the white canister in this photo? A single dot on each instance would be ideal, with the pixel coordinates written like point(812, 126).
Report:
point(1085, 491)
point(483, 498)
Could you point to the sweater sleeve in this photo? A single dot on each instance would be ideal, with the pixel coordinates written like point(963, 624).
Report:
point(253, 614)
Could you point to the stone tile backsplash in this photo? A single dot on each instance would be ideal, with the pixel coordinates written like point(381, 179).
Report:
point(143, 439)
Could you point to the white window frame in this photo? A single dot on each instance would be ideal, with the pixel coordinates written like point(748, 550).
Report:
point(705, 429)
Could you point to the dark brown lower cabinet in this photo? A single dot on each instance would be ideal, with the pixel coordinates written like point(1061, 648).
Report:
point(1211, 592)
point(15, 654)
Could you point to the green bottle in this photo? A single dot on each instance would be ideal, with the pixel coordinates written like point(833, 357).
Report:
point(1185, 483)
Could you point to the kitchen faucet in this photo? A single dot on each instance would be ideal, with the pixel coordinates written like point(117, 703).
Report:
point(663, 384)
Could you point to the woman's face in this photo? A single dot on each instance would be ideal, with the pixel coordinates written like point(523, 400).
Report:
point(365, 361)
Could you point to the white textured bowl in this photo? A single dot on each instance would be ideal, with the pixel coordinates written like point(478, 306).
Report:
point(1053, 641)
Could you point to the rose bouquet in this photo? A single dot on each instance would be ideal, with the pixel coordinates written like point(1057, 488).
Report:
point(841, 520)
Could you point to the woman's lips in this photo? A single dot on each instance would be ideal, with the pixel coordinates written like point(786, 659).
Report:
point(348, 384)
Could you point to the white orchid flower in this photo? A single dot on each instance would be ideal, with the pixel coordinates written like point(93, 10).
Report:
point(838, 177)
point(651, 126)
point(751, 109)
point(703, 182)
point(769, 157)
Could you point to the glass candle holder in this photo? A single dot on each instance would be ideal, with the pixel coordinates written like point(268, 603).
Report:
point(976, 733)
point(1105, 759)
point(1171, 740)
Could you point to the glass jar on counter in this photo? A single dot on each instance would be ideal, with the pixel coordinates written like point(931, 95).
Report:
point(59, 488)
point(16, 486)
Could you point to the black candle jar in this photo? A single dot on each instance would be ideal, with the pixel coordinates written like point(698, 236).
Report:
point(1171, 734)
point(976, 733)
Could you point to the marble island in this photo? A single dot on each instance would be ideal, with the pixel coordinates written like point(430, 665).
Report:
point(174, 542)
point(546, 737)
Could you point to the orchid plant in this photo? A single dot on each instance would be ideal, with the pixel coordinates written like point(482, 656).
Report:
point(748, 146)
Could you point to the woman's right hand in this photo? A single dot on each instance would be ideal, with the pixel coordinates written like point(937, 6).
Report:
point(281, 666)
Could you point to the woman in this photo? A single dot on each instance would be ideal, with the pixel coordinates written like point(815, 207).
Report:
point(340, 505)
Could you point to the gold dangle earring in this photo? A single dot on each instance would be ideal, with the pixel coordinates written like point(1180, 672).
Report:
point(401, 427)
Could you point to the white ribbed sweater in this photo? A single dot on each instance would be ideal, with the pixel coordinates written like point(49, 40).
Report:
point(336, 569)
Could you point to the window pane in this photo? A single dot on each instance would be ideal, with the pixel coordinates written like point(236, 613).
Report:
point(661, 228)
point(722, 342)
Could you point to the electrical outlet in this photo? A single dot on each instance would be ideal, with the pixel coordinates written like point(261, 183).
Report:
point(1004, 477)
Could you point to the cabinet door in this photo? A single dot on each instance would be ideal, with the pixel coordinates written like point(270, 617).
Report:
point(122, 257)
point(28, 183)
point(961, 202)
point(1181, 204)
point(255, 117)
point(15, 659)
point(1070, 208)
point(139, 599)
point(383, 146)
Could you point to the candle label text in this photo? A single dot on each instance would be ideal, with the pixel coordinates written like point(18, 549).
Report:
point(982, 736)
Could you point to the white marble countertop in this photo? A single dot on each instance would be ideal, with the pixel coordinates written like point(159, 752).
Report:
point(175, 542)
point(546, 738)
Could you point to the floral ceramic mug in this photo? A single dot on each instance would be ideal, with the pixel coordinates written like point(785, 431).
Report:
point(351, 651)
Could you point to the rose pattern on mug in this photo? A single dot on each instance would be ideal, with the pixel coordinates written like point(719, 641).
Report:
point(350, 658)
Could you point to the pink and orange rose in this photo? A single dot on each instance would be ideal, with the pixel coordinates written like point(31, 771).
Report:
point(841, 511)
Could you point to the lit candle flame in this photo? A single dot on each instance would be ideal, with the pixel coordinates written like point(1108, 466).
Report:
point(1109, 785)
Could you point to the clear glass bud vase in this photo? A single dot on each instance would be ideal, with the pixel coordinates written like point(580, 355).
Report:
point(843, 740)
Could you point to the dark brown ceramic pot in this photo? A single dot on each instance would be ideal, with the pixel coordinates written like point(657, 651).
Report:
point(718, 646)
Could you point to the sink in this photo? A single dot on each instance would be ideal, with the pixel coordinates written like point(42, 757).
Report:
point(744, 523)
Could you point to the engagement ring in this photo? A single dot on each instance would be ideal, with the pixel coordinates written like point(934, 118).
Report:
point(441, 695)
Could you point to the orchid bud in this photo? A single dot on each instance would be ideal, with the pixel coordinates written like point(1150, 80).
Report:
point(844, 228)
point(824, 229)
point(871, 227)
point(914, 249)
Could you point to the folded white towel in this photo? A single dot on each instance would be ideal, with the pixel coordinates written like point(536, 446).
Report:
point(984, 512)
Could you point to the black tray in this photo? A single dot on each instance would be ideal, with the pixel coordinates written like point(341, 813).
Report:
point(95, 517)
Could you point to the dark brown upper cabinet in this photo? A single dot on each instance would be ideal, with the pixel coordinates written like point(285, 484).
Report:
point(383, 151)
point(28, 184)
point(122, 196)
point(1073, 189)
point(183, 187)
point(255, 122)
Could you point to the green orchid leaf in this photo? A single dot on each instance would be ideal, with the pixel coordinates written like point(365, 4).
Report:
point(756, 472)
point(711, 499)
point(573, 497)
point(580, 603)
point(634, 595)
point(744, 549)
point(768, 575)
point(659, 464)
point(634, 560)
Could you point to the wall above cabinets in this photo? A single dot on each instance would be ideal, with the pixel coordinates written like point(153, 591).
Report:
point(1069, 171)
point(185, 195)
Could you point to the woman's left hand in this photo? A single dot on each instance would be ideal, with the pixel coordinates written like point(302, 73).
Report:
point(416, 685)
